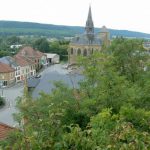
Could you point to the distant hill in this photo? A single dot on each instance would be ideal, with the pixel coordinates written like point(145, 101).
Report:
point(56, 31)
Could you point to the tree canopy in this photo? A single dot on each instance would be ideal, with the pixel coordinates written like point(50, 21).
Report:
point(110, 109)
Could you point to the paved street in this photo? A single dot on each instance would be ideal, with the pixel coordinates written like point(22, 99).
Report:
point(6, 112)
point(50, 74)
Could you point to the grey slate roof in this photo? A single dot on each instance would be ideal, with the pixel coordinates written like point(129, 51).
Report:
point(88, 38)
point(84, 40)
point(9, 61)
point(33, 82)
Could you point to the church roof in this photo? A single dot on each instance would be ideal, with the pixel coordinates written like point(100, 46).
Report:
point(84, 40)
point(89, 22)
point(88, 38)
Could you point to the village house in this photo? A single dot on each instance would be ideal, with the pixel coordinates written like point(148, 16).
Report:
point(36, 56)
point(7, 75)
point(27, 67)
point(12, 63)
point(52, 58)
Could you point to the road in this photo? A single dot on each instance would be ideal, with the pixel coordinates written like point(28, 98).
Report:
point(48, 76)
point(11, 95)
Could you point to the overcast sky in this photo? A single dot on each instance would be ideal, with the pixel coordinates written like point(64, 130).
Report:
point(116, 14)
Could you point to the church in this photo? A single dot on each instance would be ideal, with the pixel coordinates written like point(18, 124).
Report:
point(88, 42)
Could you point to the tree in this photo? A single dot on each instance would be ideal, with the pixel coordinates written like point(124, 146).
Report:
point(130, 57)
point(103, 83)
point(109, 110)
point(42, 45)
point(13, 40)
point(60, 48)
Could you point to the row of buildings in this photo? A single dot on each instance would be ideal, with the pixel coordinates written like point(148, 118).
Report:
point(23, 65)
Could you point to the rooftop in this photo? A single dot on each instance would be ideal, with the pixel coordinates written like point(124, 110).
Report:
point(28, 51)
point(33, 82)
point(9, 61)
point(83, 40)
point(50, 55)
point(5, 130)
point(4, 68)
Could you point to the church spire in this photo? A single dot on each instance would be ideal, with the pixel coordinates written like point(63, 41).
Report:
point(89, 29)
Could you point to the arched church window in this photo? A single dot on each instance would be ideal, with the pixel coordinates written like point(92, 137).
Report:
point(85, 52)
point(71, 51)
point(92, 51)
point(79, 51)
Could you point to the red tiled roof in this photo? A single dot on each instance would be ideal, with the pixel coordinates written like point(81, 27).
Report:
point(30, 61)
point(40, 54)
point(21, 61)
point(5, 130)
point(30, 52)
point(4, 68)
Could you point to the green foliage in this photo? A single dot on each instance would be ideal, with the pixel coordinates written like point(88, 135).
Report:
point(138, 117)
point(42, 45)
point(76, 139)
point(60, 48)
point(2, 101)
point(4, 53)
point(109, 110)
point(6, 42)
point(12, 40)
point(103, 83)
point(129, 57)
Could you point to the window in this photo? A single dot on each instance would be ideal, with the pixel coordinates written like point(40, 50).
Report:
point(5, 83)
point(85, 52)
point(79, 51)
point(71, 51)
point(18, 78)
point(92, 51)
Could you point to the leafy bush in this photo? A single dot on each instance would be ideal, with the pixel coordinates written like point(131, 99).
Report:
point(2, 101)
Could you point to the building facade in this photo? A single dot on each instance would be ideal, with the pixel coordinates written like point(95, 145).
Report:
point(27, 67)
point(12, 63)
point(52, 58)
point(7, 75)
point(89, 42)
point(36, 56)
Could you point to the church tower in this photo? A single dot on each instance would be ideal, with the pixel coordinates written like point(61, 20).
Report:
point(88, 42)
point(105, 36)
point(89, 28)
